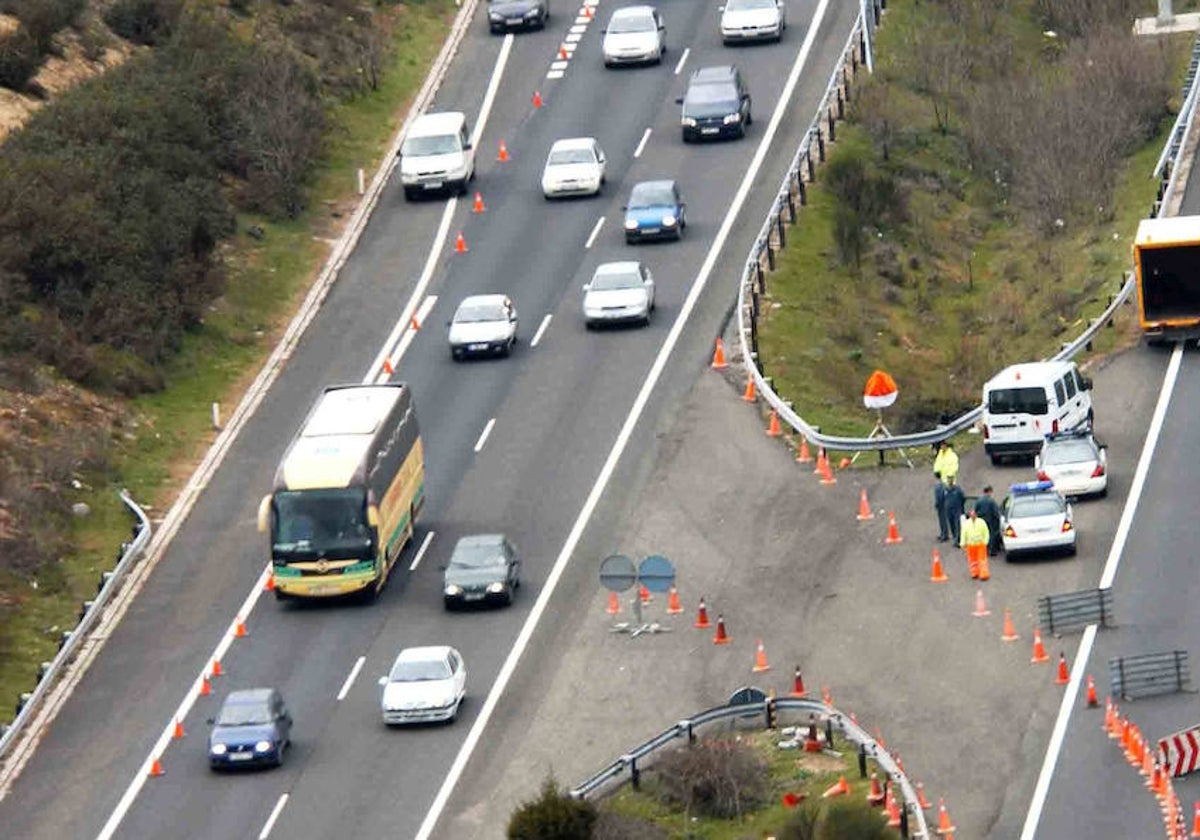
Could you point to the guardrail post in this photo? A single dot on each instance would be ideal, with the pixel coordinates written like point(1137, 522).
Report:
point(829, 732)
point(904, 821)
point(841, 106)
point(791, 204)
point(635, 775)
point(846, 77)
point(820, 146)
point(803, 190)
point(754, 304)
point(760, 276)
point(780, 228)
point(691, 733)
point(833, 122)
point(808, 163)
point(770, 255)
point(862, 761)
point(862, 48)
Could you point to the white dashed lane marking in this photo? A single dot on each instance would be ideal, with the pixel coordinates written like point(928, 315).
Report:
point(591, 240)
point(540, 331)
point(487, 430)
point(421, 551)
point(682, 60)
point(641, 146)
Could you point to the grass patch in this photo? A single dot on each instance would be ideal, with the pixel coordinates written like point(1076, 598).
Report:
point(267, 280)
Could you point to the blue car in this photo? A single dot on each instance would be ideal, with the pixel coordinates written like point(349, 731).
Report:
point(655, 211)
point(253, 728)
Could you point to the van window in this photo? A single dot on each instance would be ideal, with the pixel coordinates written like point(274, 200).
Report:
point(1018, 401)
point(441, 144)
point(1069, 381)
point(1058, 392)
point(1078, 379)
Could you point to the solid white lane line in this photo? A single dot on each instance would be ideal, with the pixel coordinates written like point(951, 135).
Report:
point(591, 240)
point(487, 430)
point(682, 59)
point(341, 695)
point(641, 146)
point(1042, 789)
point(275, 812)
point(408, 336)
point(421, 551)
point(610, 464)
point(489, 97)
point(537, 336)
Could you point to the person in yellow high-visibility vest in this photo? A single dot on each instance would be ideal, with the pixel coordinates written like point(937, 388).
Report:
point(974, 539)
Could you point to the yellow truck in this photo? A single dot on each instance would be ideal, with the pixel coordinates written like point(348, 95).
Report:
point(1166, 263)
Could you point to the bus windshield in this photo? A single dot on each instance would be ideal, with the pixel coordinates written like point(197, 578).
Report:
point(315, 524)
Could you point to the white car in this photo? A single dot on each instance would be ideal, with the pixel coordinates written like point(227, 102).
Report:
point(1036, 517)
point(483, 324)
point(634, 35)
point(575, 166)
point(426, 684)
point(752, 20)
point(1076, 463)
point(619, 292)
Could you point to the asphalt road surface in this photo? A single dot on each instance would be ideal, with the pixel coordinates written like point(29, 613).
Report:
point(556, 407)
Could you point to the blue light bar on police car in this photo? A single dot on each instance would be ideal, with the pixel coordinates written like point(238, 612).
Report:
point(1031, 487)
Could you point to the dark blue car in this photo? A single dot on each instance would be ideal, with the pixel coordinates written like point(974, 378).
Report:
point(655, 211)
point(253, 728)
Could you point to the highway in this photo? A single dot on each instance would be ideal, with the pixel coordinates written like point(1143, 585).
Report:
point(553, 412)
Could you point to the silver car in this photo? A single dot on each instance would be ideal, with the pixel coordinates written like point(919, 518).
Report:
point(425, 684)
point(635, 35)
point(1076, 462)
point(620, 292)
point(483, 324)
point(752, 20)
point(575, 166)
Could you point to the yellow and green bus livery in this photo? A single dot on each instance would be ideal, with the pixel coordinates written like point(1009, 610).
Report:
point(347, 493)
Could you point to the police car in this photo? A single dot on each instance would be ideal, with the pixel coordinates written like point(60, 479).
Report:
point(1036, 517)
point(1075, 462)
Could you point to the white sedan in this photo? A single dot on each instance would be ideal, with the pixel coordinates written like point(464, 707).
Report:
point(634, 35)
point(752, 20)
point(483, 324)
point(1076, 462)
point(1036, 517)
point(425, 684)
point(620, 292)
point(575, 166)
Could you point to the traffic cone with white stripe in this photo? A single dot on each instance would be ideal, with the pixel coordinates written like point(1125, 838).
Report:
point(945, 827)
point(760, 659)
point(721, 637)
point(798, 684)
point(804, 456)
point(156, 768)
point(893, 534)
point(1039, 650)
point(875, 796)
point(1064, 676)
point(1092, 702)
point(702, 617)
point(864, 507)
point(937, 574)
point(614, 604)
point(673, 606)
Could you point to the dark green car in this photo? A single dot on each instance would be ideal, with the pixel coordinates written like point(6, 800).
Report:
point(483, 568)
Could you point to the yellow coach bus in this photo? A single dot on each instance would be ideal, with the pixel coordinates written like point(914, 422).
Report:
point(347, 493)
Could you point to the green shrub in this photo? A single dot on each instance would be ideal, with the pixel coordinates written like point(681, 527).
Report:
point(716, 778)
point(553, 815)
point(143, 21)
point(19, 59)
point(837, 820)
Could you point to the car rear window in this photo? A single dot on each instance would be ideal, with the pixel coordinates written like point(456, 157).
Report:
point(1068, 452)
point(1043, 505)
point(651, 195)
point(1018, 401)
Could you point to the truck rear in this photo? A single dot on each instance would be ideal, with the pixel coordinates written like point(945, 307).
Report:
point(1166, 260)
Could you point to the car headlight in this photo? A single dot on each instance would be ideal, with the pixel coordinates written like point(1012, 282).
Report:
point(218, 749)
point(496, 17)
point(688, 122)
point(668, 220)
point(631, 224)
point(453, 589)
point(495, 588)
point(732, 118)
point(263, 746)
point(532, 13)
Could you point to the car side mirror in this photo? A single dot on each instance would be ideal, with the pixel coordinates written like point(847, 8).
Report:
point(467, 146)
point(679, 101)
point(587, 287)
point(209, 721)
point(1086, 382)
point(383, 680)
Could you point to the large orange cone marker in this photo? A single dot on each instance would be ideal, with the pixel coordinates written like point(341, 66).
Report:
point(876, 795)
point(721, 637)
point(205, 687)
point(893, 810)
point(1039, 650)
point(644, 594)
point(718, 362)
point(1063, 676)
point(673, 607)
point(893, 535)
point(924, 803)
point(1196, 819)
point(478, 208)
point(702, 617)
point(1010, 632)
point(156, 768)
point(614, 604)
point(827, 476)
point(773, 427)
point(944, 825)
point(937, 574)
point(838, 789)
point(1092, 702)
point(798, 684)
point(760, 659)
point(864, 507)
point(748, 394)
point(269, 586)
point(981, 609)
point(804, 456)
point(537, 99)
point(460, 244)
point(503, 156)
point(178, 732)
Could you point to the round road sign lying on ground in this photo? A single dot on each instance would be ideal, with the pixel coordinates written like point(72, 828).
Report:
point(617, 573)
point(656, 573)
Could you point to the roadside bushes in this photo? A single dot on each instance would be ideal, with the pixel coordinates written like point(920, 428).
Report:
point(148, 22)
point(553, 815)
point(22, 51)
point(715, 778)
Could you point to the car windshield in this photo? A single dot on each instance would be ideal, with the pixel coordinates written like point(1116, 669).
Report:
point(475, 313)
point(1017, 401)
point(1068, 452)
point(442, 144)
point(652, 195)
point(474, 556)
point(254, 713)
point(1040, 505)
point(621, 24)
point(620, 279)
point(420, 670)
point(562, 157)
point(740, 5)
point(328, 523)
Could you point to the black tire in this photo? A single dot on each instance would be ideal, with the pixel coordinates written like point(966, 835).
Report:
point(368, 595)
point(749, 118)
point(996, 459)
point(456, 354)
point(589, 326)
point(409, 194)
point(1103, 494)
point(629, 240)
point(508, 598)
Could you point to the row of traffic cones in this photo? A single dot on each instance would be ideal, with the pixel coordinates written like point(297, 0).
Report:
point(1150, 764)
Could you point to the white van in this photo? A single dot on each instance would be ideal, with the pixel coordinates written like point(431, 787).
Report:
point(1024, 403)
point(436, 155)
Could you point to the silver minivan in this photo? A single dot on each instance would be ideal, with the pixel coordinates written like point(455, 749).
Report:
point(436, 155)
point(1024, 403)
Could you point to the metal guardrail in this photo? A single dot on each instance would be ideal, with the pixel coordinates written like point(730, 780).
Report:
point(686, 728)
point(92, 610)
point(1149, 674)
point(1075, 610)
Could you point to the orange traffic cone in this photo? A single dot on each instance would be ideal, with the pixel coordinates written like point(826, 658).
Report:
point(773, 427)
point(827, 476)
point(562, 52)
point(587, 11)
point(205, 687)
point(1092, 702)
point(876, 795)
point(240, 629)
point(760, 659)
point(673, 606)
point(798, 684)
point(1010, 632)
point(718, 362)
point(1196, 819)
point(879, 739)
point(721, 637)
point(1063, 676)
point(893, 535)
point(819, 466)
point(503, 156)
point(981, 609)
point(1155, 781)
point(269, 586)
point(413, 323)
point(936, 573)
point(826, 696)
point(389, 370)
point(702, 617)
point(812, 742)
point(893, 810)
point(838, 789)
point(922, 802)
point(156, 768)
point(748, 394)
point(644, 594)
point(460, 244)
point(804, 456)
point(178, 732)
point(844, 463)
point(216, 668)
point(537, 99)
point(944, 824)
point(1039, 650)
point(478, 208)
point(864, 507)
point(614, 604)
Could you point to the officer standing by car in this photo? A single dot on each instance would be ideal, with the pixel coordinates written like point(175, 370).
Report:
point(955, 502)
point(975, 541)
point(939, 504)
point(989, 512)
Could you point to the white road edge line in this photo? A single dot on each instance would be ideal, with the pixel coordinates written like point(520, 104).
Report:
point(610, 464)
point(641, 146)
point(350, 678)
point(1058, 735)
point(275, 812)
point(537, 336)
point(421, 551)
point(189, 699)
point(591, 240)
point(483, 436)
point(683, 59)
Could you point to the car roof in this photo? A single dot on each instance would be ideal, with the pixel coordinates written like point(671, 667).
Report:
point(250, 695)
point(484, 300)
point(617, 267)
point(427, 653)
point(632, 12)
point(442, 122)
point(480, 540)
point(1032, 374)
point(719, 73)
point(573, 143)
point(665, 184)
